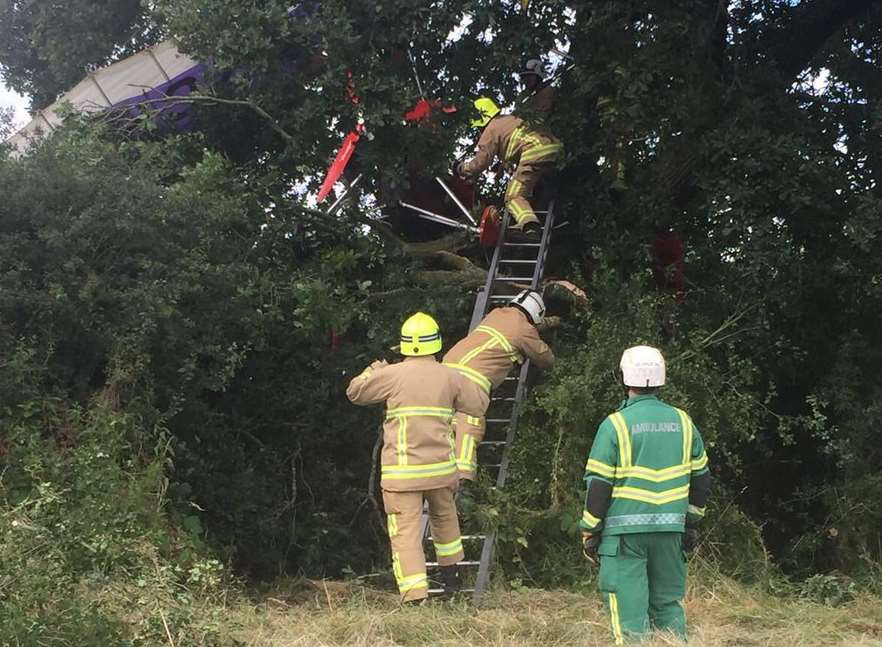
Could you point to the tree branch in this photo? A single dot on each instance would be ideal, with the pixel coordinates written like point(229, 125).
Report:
point(811, 25)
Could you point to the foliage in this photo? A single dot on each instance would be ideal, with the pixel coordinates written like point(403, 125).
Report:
point(186, 286)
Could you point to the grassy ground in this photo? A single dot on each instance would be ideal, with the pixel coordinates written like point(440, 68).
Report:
point(722, 615)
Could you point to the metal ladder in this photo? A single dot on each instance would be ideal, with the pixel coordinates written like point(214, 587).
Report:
point(515, 266)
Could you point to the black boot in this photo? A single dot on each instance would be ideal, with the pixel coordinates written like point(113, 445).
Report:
point(450, 580)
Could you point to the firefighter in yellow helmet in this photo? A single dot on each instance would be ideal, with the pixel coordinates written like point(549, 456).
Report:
point(526, 151)
point(418, 462)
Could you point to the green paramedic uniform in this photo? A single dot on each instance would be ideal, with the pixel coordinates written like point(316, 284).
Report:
point(647, 478)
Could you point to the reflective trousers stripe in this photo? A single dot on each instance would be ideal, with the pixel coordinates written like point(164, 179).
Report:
point(545, 152)
point(614, 619)
point(450, 548)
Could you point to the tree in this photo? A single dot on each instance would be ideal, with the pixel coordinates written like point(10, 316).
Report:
point(48, 47)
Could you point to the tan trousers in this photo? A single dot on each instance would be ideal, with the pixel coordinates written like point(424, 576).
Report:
point(403, 511)
point(523, 181)
point(469, 432)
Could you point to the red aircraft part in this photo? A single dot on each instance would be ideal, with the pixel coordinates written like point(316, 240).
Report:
point(343, 156)
point(488, 230)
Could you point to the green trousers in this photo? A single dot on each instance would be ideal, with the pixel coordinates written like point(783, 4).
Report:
point(643, 582)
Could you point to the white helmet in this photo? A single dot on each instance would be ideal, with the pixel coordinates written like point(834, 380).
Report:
point(643, 366)
point(531, 303)
point(533, 66)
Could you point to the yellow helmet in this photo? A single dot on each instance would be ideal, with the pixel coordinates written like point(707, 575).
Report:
point(420, 336)
point(488, 109)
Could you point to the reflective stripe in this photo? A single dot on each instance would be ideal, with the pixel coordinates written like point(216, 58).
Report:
point(699, 463)
point(614, 617)
point(624, 438)
point(514, 355)
point(521, 213)
point(473, 421)
point(439, 412)
point(513, 189)
point(401, 449)
point(600, 468)
point(513, 141)
point(663, 519)
point(449, 549)
point(472, 354)
point(686, 426)
point(694, 509)
point(590, 519)
point(409, 582)
point(400, 472)
point(649, 474)
point(466, 461)
point(648, 496)
point(540, 152)
point(473, 375)
point(392, 524)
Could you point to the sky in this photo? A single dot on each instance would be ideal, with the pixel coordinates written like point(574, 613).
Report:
point(8, 98)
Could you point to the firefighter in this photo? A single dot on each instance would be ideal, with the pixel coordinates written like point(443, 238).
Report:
point(527, 151)
point(418, 463)
point(538, 91)
point(486, 356)
point(648, 484)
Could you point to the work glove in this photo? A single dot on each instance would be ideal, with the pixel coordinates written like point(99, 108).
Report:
point(379, 363)
point(690, 539)
point(590, 543)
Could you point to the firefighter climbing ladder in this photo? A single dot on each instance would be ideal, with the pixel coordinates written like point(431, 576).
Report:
point(515, 266)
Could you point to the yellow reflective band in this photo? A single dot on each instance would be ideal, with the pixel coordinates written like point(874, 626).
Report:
point(473, 375)
point(474, 422)
point(401, 449)
point(411, 582)
point(392, 524)
point(466, 461)
point(438, 412)
point(403, 472)
point(624, 438)
point(694, 509)
point(516, 135)
point(648, 496)
point(513, 189)
point(452, 548)
point(472, 354)
point(537, 153)
point(590, 519)
point(614, 617)
point(656, 476)
point(503, 341)
point(686, 426)
point(600, 468)
point(699, 463)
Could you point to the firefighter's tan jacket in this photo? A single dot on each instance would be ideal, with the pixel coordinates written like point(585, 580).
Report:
point(500, 342)
point(513, 142)
point(421, 396)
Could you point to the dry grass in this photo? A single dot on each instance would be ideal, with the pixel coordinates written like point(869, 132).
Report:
point(722, 615)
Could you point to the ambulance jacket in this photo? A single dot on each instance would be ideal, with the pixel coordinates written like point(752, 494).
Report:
point(646, 472)
point(421, 397)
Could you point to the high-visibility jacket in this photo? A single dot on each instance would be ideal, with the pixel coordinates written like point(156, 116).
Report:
point(647, 471)
point(421, 397)
point(499, 343)
point(513, 142)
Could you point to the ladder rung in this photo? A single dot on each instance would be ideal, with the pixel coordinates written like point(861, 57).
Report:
point(497, 420)
point(520, 261)
point(436, 591)
point(511, 378)
point(513, 279)
point(523, 244)
point(503, 399)
point(433, 564)
point(497, 465)
point(492, 442)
